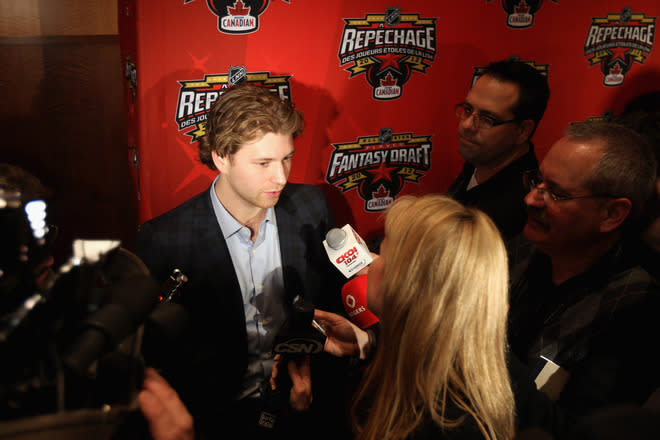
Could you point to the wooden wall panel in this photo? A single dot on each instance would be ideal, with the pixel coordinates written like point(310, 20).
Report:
point(78, 17)
point(19, 18)
point(64, 115)
point(57, 17)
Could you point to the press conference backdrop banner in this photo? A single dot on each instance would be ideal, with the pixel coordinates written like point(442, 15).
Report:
point(376, 80)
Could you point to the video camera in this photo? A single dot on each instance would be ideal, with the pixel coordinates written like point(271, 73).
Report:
point(74, 342)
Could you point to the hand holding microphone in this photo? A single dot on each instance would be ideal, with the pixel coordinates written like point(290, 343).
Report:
point(349, 253)
point(290, 381)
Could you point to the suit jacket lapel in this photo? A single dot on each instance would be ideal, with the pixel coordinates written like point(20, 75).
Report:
point(290, 243)
point(212, 250)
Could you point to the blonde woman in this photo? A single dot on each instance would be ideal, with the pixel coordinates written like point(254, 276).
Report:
point(439, 289)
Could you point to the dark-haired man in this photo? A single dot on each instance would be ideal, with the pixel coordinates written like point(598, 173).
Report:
point(497, 119)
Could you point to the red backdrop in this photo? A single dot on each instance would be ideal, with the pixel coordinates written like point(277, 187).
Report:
point(377, 83)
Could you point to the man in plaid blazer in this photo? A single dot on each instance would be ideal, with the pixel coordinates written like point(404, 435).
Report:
point(583, 313)
point(248, 245)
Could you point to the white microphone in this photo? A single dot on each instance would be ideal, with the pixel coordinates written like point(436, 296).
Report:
point(347, 250)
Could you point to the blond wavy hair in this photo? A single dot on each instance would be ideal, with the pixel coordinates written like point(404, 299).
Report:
point(443, 324)
point(245, 113)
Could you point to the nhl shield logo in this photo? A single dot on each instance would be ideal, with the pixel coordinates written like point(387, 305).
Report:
point(236, 75)
point(392, 16)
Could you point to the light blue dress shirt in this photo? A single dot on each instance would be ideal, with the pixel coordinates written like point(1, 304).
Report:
point(258, 267)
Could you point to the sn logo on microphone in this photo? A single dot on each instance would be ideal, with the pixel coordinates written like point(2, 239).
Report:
point(348, 257)
point(299, 345)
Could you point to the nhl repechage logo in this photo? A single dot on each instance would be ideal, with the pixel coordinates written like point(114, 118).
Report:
point(237, 16)
point(387, 48)
point(520, 13)
point(617, 41)
point(378, 166)
point(197, 96)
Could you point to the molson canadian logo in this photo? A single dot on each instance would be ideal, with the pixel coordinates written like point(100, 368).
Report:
point(617, 41)
point(387, 48)
point(379, 166)
point(197, 96)
point(237, 16)
point(520, 13)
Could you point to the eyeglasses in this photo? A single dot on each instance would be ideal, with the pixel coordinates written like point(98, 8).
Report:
point(465, 110)
point(533, 178)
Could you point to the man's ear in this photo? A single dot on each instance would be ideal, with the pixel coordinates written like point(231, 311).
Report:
point(220, 162)
point(525, 129)
point(615, 212)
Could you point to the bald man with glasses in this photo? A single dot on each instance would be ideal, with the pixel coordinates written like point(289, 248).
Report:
point(583, 311)
point(496, 121)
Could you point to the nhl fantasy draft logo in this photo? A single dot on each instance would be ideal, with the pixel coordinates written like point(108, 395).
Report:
point(479, 70)
point(237, 16)
point(617, 41)
point(387, 48)
point(197, 96)
point(520, 13)
point(379, 166)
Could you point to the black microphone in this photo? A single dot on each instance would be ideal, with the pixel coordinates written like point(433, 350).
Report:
point(166, 335)
point(300, 334)
point(131, 301)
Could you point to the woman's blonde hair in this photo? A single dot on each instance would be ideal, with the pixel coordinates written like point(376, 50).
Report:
point(443, 324)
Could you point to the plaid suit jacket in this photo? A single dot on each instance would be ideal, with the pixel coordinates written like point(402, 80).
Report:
point(208, 370)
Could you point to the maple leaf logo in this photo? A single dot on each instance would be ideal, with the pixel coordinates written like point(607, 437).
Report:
point(616, 70)
point(522, 8)
point(381, 193)
point(238, 9)
point(388, 80)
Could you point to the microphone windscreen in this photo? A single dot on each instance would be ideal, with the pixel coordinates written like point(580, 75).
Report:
point(354, 297)
point(138, 295)
point(166, 335)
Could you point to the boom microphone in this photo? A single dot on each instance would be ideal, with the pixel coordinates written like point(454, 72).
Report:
point(346, 250)
point(130, 303)
point(354, 298)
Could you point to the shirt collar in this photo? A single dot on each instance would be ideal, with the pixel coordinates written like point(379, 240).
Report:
point(228, 224)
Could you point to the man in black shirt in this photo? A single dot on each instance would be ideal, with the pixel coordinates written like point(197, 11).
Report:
point(497, 119)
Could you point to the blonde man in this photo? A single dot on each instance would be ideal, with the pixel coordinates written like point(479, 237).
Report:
point(248, 244)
